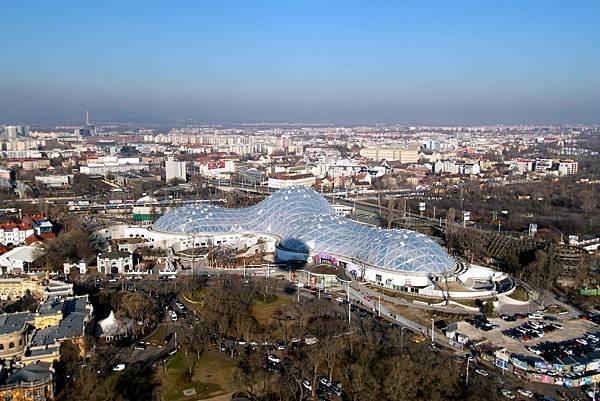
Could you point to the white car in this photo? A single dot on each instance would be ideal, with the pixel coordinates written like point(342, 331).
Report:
point(173, 316)
point(508, 394)
point(533, 349)
point(306, 384)
point(273, 358)
point(535, 315)
point(119, 367)
point(590, 393)
point(325, 382)
point(481, 372)
point(525, 393)
point(339, 299)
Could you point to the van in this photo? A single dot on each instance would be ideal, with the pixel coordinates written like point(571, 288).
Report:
point(535, 315)
point(310, 340)
point(461, 338)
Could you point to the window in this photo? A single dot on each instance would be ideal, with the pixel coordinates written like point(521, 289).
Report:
point(1, 347)
point(20, 341)
point(378, 277)
point(11, 345)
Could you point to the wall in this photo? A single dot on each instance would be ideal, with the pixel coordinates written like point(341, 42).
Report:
point(18, 339)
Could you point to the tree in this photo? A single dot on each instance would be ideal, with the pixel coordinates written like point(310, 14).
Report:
point(195, 341)
point(488, 308)
point(141, 309)
point(588, 201)
point(222, 256)
point(73, 244)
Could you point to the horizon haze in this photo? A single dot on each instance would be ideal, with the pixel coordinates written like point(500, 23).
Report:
point(342, 62)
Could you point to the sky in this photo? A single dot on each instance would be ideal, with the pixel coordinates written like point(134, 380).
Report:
point(345, 62)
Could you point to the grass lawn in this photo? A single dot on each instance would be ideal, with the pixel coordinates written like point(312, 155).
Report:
point(519, 294)
point(555, 309)
point(157, 337)
point(210, 377)
point(263, 311)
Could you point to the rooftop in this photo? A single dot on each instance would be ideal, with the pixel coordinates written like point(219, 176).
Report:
point(25, 253)
point(114, 255)
point(10, 323)
point(305, 221)
point(32, 372)
point(75, 313)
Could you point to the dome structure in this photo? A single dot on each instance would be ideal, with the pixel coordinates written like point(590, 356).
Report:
point(304, 220)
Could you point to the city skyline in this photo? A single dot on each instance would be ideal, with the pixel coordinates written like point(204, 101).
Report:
point(339, 62)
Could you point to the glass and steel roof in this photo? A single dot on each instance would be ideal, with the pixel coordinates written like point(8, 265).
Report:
point(303, 219)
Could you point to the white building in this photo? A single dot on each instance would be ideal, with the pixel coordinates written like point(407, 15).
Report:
point(20, 259)
point(175, 170)
point(543, 165)
point(15, 234)
point(522, 166)
point(216, 168)
point(55, 181)
point(454, 167)
point(11, 132)
point(343, 168)
point(80, 268)
point(568, 167)
point(111, 167)
point(280, 181)
point(115, 262)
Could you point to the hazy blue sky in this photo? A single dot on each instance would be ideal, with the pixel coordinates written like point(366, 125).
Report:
point(341, 61)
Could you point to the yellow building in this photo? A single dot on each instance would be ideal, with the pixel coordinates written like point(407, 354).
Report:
point(34, 382)
point(39, 286)
point(404, 155)
point(13, 332)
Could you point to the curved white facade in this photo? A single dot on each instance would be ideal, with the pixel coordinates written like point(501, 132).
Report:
point(305, 223)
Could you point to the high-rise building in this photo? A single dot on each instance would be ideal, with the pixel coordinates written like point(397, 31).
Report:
point(11, 132)
point(175, 169)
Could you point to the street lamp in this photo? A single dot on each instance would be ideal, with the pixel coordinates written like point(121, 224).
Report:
point(349, 304)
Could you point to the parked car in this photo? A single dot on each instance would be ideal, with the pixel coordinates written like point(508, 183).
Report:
point(337, 389)
point(273, 358)
point(525, 392)
point(324, 381)
point(310, 340)
point(306, 384)
point(140, 346)
point(481, 372)
point(119, 367)
point(507, 394)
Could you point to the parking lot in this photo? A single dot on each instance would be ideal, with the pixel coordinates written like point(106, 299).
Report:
point(571, 328)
